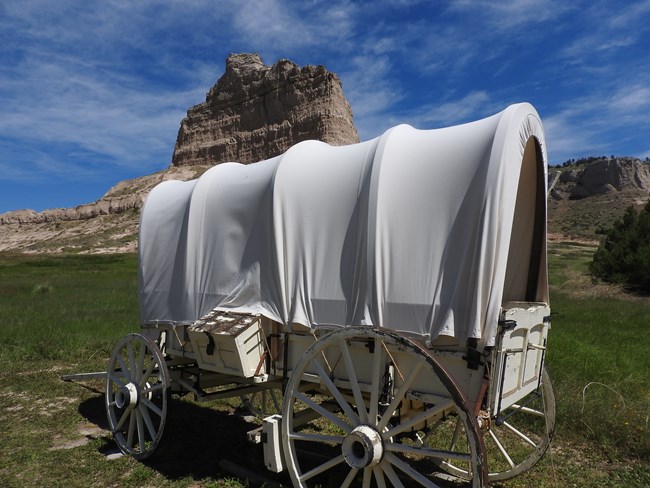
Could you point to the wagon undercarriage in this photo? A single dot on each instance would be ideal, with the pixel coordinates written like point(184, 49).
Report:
point(355, 405)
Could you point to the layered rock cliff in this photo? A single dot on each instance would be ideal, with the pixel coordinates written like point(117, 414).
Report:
point(590, 194)
point(599, 176)
point(255, 112)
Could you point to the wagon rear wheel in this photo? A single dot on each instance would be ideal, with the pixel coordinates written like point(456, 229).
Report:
point(354, 409)
point(137, 385)
point(518, 438)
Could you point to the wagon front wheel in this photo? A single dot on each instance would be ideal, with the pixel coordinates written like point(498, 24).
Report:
point(355, 407)
point(137, 385)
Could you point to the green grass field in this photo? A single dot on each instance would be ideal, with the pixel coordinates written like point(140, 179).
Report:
point(63, 314)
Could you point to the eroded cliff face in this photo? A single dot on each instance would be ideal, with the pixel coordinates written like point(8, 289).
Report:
point(602, 176)
point(255, 112)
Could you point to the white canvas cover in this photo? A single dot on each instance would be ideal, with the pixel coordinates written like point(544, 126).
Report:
point(425, 232)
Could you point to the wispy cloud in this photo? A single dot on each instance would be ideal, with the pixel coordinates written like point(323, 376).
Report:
point(630, 14)
point(592, 125)
point(476, 104)
point(282, 25)
point(372, 93)
point(516, 13)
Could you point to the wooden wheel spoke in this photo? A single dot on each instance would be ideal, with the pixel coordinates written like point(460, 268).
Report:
point(322, 468)
point(399, 396)
point(324, 412)
point(132, 366)
point(454, 436)
point(125, 369)
point(131, 432)
point(148, 422)
point(336, 393)
point(427, 452)
point(303, 436)
point(140, 424)
point(354, 382)
point(367, 478)
point(151, 406)
point(116, 380)
point(503, 451)
point(124, 416)
point(140, 363)
point(410, 471)
point(379, 476)
point(520, 434)
point(531, 411)
point(349, 478)
point(150, 369)
point(152, 388)
point(391, 474)
point(427, 414)
point(514, 451)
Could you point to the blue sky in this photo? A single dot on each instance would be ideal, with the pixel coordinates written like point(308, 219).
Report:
point(93, 92)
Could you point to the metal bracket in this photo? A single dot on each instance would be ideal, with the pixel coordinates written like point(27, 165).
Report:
point(507, 324)
point(473, 356)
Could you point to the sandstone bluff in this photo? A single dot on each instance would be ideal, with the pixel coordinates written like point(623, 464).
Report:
point(255, 112)
point(599, 176)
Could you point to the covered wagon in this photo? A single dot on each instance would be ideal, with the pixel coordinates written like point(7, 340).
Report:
point(388, 300)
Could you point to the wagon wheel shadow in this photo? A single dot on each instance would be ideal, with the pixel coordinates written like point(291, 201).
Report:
point(195, 439)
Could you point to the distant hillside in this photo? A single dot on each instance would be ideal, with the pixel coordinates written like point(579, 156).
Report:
point(107, 225)
point(590, 193)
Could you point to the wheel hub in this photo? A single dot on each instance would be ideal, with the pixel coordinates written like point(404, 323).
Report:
point(126, 395)
point(362, 447)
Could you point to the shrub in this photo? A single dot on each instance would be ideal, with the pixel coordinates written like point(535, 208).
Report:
point(623, 256)
point(41, 289)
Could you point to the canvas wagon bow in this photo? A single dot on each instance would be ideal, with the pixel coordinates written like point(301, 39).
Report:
point(387, 300)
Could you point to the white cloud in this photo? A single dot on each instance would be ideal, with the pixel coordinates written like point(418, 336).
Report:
point(471, 106)
point(631, 100)
point(600, 122)
point(369, 87)
point(516, 13)
point(566, 137)
point(629, 14)
point(282, 25)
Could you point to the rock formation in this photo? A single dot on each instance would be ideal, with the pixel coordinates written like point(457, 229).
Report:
point(601, 176)
point(255, 112)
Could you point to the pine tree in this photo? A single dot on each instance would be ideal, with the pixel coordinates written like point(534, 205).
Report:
point(623, 256)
